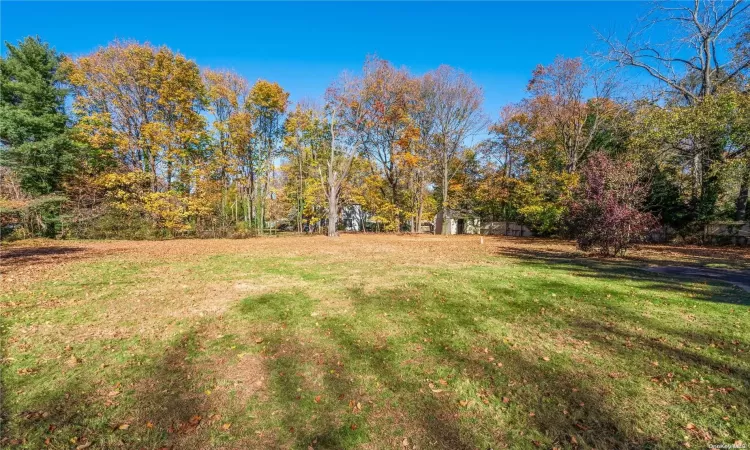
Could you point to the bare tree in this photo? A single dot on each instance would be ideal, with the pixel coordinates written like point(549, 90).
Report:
point(456, 110)
point(386, 97)
point(696, 63)
point(511, 137)
point(692, 63)
point(343, 116)
point(560, 107)
point(423, 116)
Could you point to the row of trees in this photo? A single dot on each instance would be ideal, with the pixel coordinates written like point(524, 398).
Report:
point(153, 144)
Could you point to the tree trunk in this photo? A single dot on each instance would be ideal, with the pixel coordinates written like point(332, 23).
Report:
point(697, 175)
point(333, 198)
point(741, 211)
point(299, 196)
point(420, 206)
point(169, 175)
point(445, 194)
point(332, 215)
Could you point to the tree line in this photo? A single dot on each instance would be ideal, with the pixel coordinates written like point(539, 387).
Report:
point(136, 140)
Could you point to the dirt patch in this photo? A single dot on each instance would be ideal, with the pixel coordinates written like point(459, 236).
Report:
point(240, 378)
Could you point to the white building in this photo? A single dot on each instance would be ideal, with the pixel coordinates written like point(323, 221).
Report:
point(355, 218)
point(453, 221)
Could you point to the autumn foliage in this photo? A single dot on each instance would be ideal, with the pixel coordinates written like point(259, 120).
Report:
point(156, 146)
point(606, 214)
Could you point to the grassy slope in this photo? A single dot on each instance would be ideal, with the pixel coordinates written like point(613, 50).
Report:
point(322, 350)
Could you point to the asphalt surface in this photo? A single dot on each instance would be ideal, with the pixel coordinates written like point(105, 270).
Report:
point(738, 278)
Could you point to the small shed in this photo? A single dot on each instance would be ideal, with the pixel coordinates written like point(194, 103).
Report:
point(453, 221)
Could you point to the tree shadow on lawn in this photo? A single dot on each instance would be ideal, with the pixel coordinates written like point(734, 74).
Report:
point(26, 256)
point(335, 389)
point(628, 270)
point(150, 406)
point(439, 333)
point(319, 415)
point(699, 256)
point(319, 372)
point(549, 404)
point(344, 412)
point(166, 395)
point(51, 413)
point(570, 402)
point(657, 254)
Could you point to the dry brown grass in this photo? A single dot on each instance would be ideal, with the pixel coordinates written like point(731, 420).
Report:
point(30, 260)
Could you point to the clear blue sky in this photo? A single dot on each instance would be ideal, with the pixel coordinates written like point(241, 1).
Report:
point(304, 46)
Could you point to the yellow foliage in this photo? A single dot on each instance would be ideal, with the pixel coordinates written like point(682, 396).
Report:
point(267, 96)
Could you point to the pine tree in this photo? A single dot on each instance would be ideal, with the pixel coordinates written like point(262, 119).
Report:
point(33, 124)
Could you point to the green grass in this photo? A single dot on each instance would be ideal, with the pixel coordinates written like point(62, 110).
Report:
point(317, 351)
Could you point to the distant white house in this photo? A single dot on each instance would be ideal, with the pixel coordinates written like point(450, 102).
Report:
point(354, 218)
point(452, 221)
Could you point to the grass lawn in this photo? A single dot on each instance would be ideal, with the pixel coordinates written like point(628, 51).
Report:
point(368, 341)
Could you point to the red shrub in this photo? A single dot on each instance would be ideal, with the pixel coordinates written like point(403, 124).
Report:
point(606, 213)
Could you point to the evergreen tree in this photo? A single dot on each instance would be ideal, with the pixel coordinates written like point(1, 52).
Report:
point(33, 124)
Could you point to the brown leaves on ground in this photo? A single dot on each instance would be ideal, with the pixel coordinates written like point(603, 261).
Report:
point(26, 261)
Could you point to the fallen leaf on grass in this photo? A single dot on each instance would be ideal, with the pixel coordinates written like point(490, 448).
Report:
point(123, 426)
point(317, 399)
point(226, 426)
point(74, 361)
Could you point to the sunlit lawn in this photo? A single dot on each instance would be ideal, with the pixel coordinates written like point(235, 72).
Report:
point(374, 342)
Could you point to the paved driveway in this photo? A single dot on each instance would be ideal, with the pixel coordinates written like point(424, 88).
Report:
point(738, 278)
